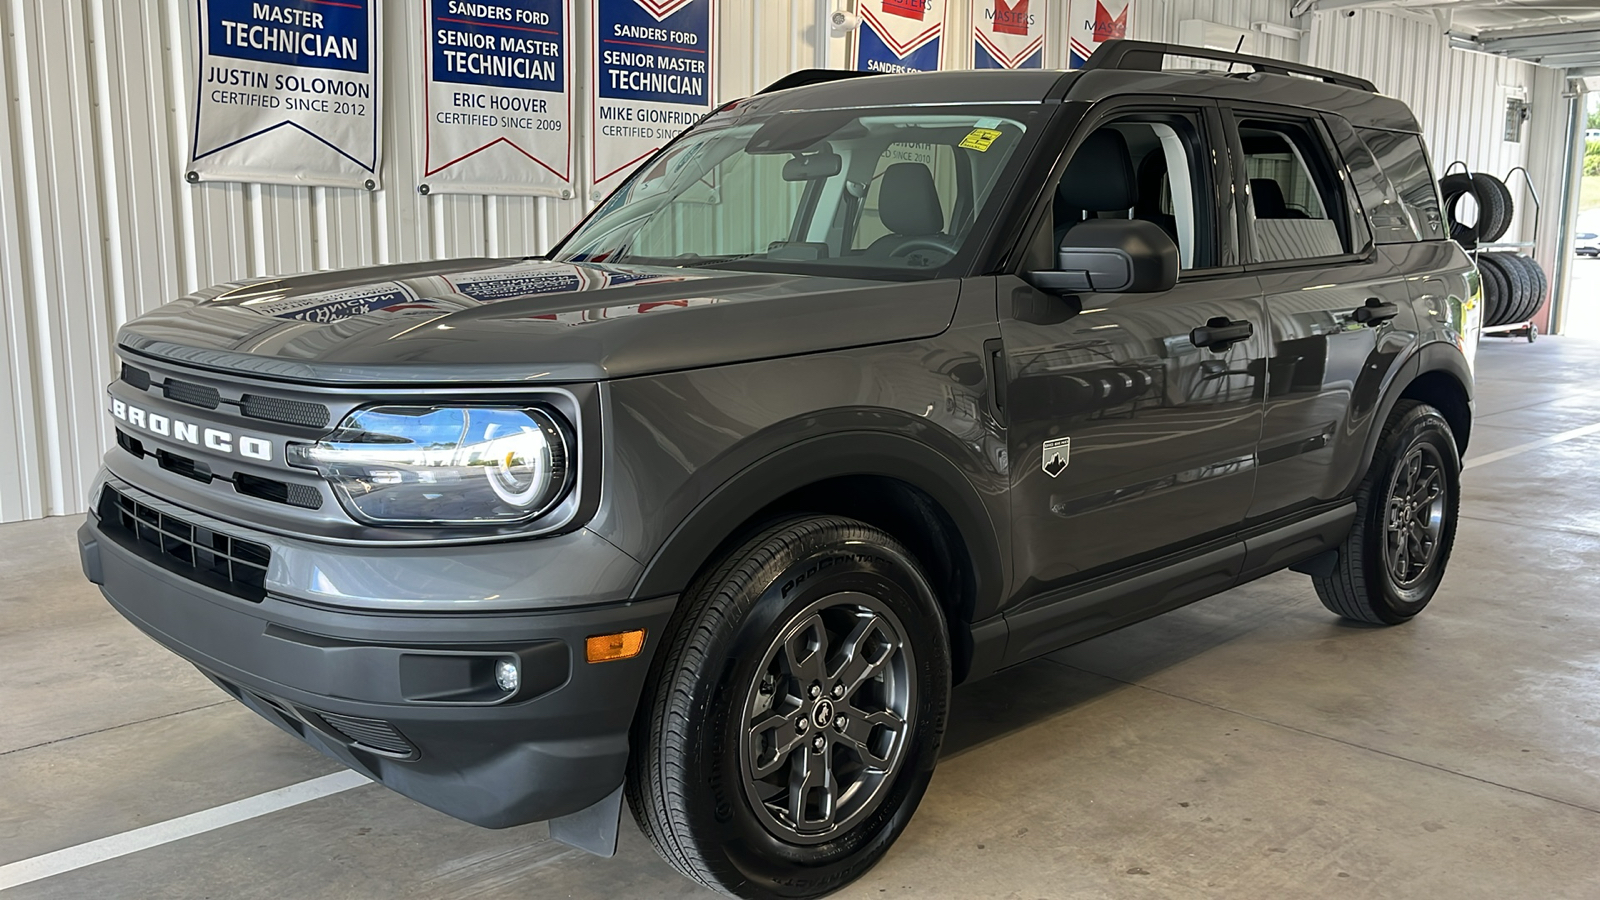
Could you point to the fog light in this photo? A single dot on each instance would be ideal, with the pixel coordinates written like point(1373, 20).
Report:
point(609, 647)
point(507, 676)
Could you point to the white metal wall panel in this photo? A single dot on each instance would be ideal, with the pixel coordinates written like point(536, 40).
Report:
point(1157, 20)
point(97, 224)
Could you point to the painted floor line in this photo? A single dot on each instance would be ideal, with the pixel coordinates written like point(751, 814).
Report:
point(1540, 444)
point(66, 860)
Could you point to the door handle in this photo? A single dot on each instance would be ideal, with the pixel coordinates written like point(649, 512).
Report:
point(1220, 333)
point(1376, 312)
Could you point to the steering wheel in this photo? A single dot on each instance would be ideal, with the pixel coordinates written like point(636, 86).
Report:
point(926, 242)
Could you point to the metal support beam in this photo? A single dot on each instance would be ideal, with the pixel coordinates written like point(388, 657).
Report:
point(1564, 60)
point(1567, 218)
point(1585, 39)
point(1532, 31)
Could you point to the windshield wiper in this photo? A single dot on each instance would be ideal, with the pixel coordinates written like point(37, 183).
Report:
point(708, 261)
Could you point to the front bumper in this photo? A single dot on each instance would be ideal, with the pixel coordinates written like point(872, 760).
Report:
point(399, 697)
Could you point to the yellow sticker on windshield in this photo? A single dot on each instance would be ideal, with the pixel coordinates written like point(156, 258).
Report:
point(980, 139)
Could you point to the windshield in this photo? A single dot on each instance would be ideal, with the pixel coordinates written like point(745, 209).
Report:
point(873, 193)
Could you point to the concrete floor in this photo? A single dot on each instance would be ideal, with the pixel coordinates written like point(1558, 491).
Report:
point(1250, 746)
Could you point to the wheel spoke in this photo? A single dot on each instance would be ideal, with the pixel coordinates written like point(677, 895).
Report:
point(1397, 513)
point(1428, 490)
point(767, 757)
point(861, 728)
point(812, 791)
point(1413, 471)
point(1396, 536)
point(864, 653)
point(1423, 542)
point(806, 650)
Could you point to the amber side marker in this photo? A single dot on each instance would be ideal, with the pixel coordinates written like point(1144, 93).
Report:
point(612, 647)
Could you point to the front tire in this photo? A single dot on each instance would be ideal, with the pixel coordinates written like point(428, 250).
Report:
point(1391, 563)
point(792, 724)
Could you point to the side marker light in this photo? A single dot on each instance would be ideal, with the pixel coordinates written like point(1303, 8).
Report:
point(612, 647)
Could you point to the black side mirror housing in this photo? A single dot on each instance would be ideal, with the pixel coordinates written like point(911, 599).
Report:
point(1121, 256)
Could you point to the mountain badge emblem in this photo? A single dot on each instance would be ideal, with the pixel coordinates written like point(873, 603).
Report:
point(1057, 453)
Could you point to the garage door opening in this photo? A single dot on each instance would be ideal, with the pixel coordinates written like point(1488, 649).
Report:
point(1583, 310)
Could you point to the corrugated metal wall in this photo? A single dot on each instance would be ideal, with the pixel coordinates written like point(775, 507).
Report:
point(97, 224)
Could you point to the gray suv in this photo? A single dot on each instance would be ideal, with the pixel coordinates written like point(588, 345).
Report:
point(863, 387)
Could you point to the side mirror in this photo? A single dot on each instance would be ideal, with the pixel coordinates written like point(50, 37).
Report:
point(1124, 256)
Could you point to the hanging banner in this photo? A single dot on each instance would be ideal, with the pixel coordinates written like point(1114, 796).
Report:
point(1091, 23)
point(1008, 35)
point(499, 98)
point(654, 65)
point(287, 93)
point(900, 36)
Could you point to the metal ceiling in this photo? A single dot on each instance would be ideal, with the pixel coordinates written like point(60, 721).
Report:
point(1561, 34)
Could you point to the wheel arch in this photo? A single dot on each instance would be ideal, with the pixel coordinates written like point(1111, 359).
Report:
point(1437, 374)
point(890, 481)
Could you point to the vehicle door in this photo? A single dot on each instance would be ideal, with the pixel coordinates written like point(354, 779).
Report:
point(1332, 300)
point(1129, 440)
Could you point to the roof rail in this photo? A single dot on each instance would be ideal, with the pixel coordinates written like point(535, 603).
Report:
point(806, 77)
point(1146, 56)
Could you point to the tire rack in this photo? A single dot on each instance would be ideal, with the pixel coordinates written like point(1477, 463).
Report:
point(1525, 329)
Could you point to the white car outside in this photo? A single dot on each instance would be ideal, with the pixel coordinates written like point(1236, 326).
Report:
point(1587, 240)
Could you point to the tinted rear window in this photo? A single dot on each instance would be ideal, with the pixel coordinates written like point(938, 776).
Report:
point(1405, 162)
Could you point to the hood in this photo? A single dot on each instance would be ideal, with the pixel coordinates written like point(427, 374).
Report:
point(527, 321)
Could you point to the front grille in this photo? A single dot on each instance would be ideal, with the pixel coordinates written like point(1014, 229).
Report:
point(130, 443)
point(136, 378)
point(200, 395)
point(183, 465)
point(277, 491)
point(269, 489)
point(288, 412)
point(228, 564)
point(373, 734)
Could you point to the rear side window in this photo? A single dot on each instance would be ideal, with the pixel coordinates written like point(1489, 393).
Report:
point(1298, 208)
point(1405, 163)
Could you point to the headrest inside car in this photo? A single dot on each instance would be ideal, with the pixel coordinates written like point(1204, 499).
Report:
point(1100, 176)
point(908, 201)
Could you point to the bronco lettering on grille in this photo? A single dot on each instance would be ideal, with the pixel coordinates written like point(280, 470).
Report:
point(198, 434)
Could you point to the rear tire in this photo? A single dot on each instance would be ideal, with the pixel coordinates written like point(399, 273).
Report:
point(1391, 563)
point(791, 725)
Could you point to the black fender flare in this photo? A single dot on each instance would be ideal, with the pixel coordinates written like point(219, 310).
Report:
point(1435, 356)
point(892, 455)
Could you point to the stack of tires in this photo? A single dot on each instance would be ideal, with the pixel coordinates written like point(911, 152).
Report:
point(1514, 288)
point(1493, 200)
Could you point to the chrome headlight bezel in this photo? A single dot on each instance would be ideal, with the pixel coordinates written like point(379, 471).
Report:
point(350, 467)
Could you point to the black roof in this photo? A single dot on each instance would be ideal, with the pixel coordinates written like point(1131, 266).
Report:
point(1118, 68)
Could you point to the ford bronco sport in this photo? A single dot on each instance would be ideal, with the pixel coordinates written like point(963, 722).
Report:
point(863, 387)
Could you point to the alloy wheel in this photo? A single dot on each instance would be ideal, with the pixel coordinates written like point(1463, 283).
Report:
point(827, 718)
point(1415, 515)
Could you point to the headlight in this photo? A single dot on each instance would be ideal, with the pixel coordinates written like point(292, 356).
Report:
point(401, 465)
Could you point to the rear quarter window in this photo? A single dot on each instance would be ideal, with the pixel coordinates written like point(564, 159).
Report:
point(1404, 161)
